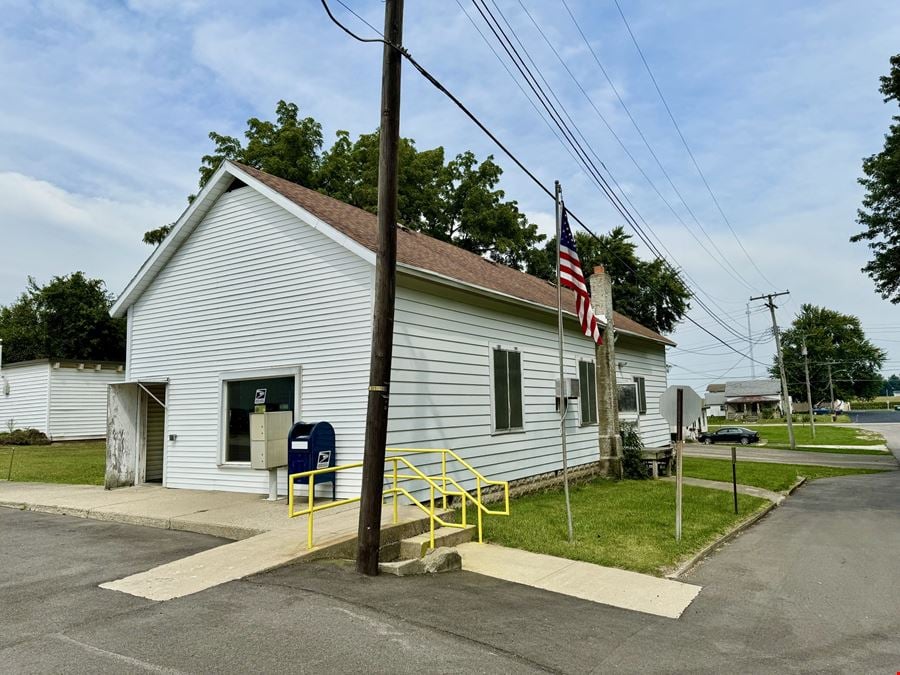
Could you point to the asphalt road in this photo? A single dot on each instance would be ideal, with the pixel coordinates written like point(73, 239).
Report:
point(876, 416)
point(811, 588)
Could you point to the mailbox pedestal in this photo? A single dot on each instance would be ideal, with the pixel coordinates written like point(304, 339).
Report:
point(310, 447)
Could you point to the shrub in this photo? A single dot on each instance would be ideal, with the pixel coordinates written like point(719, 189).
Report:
point(632, 462)
point(870, 405)
point(24, 437)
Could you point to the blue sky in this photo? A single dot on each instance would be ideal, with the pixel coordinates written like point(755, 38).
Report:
point(107, 106)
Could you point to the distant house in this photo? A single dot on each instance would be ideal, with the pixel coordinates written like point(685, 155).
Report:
point(64, 399)
point(752, 398)
point(261, 298)
point(714, 400)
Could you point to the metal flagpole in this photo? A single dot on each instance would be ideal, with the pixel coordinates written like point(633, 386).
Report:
point(563, 401)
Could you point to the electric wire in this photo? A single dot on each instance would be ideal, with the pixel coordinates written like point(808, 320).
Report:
point(628, 153)
point(462, 107)
point(643, 138)
point(686, 146)
point(531, 80)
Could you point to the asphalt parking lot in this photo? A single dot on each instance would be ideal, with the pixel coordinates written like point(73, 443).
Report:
point(811, 588)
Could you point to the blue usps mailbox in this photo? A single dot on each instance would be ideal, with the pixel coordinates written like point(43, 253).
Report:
point(311, 447)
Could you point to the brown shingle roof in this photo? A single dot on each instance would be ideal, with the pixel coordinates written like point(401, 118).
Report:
point(419, 250)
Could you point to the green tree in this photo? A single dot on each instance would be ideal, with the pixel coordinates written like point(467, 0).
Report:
point(68, 318)
point(456, 200)
point(880, 214)
point(891, 384)
point(834, 339)
point(647, 291)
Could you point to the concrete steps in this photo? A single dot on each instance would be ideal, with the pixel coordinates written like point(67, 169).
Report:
point(417, 546)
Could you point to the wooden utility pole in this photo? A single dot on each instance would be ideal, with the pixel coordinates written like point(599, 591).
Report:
point(812, 423)
point(369, 540)
point(785, 397)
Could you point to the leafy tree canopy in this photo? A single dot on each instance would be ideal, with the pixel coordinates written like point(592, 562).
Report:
point(647, 291)
point(456, 200)
point(835, 338)
point(890, 385)
point(68, 318)
point(880, 214)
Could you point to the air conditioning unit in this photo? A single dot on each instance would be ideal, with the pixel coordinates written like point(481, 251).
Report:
point(571, 387)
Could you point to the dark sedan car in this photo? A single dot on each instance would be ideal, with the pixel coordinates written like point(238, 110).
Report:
point(730, 435)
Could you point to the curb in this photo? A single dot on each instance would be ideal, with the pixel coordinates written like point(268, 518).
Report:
point(695, 559)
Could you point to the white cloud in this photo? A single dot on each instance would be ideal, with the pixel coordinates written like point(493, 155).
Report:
point(47, 231)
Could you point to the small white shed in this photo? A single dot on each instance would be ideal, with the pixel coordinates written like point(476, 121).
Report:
point(64, 399)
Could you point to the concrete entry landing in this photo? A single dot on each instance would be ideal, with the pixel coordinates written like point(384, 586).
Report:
point(266, 537)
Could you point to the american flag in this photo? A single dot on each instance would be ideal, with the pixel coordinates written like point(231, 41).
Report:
point(571, 276)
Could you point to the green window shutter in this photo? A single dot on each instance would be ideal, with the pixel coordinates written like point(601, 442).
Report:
point(584, 404)
point(515, 390)
point(501, 391)
point(642, 395)
point(587, 385)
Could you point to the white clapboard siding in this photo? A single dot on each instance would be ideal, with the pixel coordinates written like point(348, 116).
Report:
point(441, 382)
point(646, 359)
point(78, 401)
point(254, 287)
point(26, 404)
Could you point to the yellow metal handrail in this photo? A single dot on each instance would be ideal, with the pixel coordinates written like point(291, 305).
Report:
point(311, 507)
point(437, 485)
point(466, 496)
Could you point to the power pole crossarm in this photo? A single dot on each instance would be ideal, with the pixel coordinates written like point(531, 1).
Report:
point(785, 397)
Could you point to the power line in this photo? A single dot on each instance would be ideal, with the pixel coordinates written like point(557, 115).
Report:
point(636, 164)
point(440, 87)
point(569, 150)
point(686, 146)
point(643, 138)
point(593, 172)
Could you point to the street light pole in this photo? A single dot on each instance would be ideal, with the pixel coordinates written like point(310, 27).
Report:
point(812, 424)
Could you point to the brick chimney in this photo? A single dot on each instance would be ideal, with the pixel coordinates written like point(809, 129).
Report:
point(607, 392)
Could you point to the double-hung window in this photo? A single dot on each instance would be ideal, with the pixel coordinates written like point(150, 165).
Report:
point(507, 366)
point(587, 385)
point(641, 394)
point(628, 400)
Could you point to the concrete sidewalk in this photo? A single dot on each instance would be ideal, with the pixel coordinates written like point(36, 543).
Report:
point(752, 490)
point(604, 585)
point(266, 537)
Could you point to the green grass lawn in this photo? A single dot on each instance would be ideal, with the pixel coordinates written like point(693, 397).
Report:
point(776, 477)
point(81, 462)
point(627, 524)
point(825, 435)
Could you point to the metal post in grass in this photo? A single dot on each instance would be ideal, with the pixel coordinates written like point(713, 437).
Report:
point(12, 455)
point(679, 451)
point(734, 476)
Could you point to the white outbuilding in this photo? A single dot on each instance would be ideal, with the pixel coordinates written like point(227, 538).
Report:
point(266, 286)
point(64, 399)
